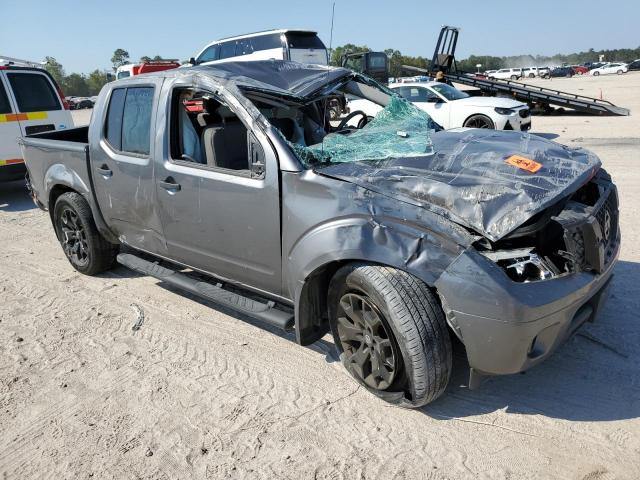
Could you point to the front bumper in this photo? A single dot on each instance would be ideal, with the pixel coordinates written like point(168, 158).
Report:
point(508, 327)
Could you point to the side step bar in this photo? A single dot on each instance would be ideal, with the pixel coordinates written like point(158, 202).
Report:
point(213, 292)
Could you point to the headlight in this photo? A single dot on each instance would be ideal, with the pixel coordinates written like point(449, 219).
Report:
point(504, 111)
point(523, 265)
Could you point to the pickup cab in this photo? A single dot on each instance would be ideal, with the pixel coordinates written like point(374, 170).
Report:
point(230, 182)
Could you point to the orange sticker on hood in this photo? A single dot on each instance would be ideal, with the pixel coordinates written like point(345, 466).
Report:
point(524, 163)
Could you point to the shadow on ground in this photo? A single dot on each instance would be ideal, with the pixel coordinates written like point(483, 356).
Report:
point(14, 197)
point(592, 377)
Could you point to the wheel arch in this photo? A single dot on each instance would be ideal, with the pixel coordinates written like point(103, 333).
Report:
point(422, 254)
point(476, 113)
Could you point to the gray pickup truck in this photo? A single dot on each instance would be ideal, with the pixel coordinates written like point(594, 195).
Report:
point(231, 182)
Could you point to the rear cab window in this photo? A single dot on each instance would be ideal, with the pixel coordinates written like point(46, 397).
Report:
point(33, 92)
point(128, 122)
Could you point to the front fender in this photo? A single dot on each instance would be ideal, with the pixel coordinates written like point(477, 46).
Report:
point(383, 241)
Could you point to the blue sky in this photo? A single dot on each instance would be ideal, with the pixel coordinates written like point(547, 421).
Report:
point(82, 35)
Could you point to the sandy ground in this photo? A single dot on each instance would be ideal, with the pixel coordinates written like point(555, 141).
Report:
point(197, 393)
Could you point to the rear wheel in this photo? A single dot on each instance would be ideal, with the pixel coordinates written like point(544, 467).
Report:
point(514, 77)
point(532, 75)
point(619, 72)
point(391, 333)
point(479, 121)
point(87, 251)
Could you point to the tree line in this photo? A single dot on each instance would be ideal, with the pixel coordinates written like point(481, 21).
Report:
point(396, 59)
point(85, 85)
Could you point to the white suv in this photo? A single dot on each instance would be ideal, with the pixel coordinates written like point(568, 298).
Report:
point(30, 102)
point(296, 45)
point(507, 74)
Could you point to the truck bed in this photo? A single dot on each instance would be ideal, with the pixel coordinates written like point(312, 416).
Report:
point(65, 152)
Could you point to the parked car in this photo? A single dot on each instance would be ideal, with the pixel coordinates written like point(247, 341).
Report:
point(30, 102)
point(635, 65)
point(579, 69)
point(84, 104)
point(507, 73)
point(393, 236)
point(302, 46)
point(531, 72)
point(452, 108)
point(559, 72)
point(610, 68)
point(592, 65)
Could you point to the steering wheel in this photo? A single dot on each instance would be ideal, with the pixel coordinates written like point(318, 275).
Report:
point(361, 123)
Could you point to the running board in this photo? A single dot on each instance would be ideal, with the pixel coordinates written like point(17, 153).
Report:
point(264, 311)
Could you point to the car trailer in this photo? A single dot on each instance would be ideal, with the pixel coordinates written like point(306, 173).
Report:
point(444, 60)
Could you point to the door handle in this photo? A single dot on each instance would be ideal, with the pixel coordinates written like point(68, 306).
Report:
point(170, 184)
point(105, 171)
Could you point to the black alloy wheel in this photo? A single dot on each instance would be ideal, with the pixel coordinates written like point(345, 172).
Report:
point(479, 121)
point(366, 341)
point(74, 237)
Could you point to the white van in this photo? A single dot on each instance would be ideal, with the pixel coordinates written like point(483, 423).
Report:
point(30, 102)
point(302, 46)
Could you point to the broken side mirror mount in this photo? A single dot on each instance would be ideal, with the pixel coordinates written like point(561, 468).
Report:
point(256, 157)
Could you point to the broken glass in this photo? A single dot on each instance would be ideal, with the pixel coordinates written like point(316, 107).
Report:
point(399, 130)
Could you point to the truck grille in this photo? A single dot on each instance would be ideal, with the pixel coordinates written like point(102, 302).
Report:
point(607, 217)
point(592, 243)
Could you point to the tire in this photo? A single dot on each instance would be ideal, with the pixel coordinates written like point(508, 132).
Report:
point(479, 121)
point(596, 74)
point(404, 333)
point(514, 77)
point(619, 72)
point(87, 251)
point(532, 75)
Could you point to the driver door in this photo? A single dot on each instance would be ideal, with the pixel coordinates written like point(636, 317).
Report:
point(220, 208)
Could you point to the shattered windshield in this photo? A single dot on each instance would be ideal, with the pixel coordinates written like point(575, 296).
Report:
point(398, 130)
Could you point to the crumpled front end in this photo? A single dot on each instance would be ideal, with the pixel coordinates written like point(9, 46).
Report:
point(513, 302)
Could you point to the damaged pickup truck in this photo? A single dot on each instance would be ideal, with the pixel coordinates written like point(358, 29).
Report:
point(230, 182)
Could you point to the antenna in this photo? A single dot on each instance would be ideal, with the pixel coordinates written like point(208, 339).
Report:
point(326, 100)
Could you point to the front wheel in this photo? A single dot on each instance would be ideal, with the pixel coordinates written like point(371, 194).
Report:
point(87, 251)
point(390, 333)
point(596, 74)
point(479, 121)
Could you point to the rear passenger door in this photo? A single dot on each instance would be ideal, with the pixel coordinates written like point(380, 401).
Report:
point(39, 105)
point(9, 129)
point(122, 169)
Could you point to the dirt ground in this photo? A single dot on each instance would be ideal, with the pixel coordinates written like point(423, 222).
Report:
point(197, 393)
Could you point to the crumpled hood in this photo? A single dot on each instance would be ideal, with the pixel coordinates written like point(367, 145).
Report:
point(468, 180)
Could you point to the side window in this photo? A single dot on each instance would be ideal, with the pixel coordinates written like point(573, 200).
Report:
point(209, 54)
point(33, 92)
point(228, 50)
point(113, 125)
point(355, 64)
point(128, 125)
point(5, 106)
point(136, 120)
point(205, 131)
point(244, 47)
point(266, 42)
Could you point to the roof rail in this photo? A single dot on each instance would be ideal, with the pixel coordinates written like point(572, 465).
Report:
point(20, 63)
